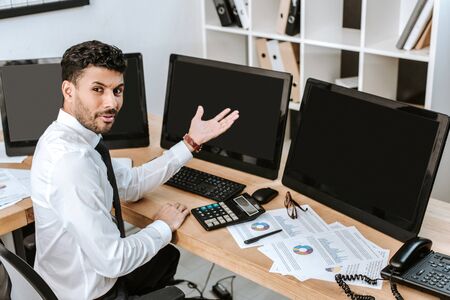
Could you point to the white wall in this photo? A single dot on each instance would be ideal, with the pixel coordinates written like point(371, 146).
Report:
point(153, 27)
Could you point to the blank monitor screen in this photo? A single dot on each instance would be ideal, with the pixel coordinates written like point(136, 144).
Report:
point(30, 98)
point(254, 143)
point(372, 158)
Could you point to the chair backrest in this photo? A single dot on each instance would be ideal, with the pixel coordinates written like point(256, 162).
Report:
point(25, 282)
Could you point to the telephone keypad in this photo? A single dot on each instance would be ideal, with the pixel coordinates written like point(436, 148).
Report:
point(433, 273)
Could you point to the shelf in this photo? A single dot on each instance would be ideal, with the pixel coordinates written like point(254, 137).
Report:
point(275, 36)
point(387, 48)
point(345, 38)
point(231, 29)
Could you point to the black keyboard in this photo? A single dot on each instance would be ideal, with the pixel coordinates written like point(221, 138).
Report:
point(205, 184)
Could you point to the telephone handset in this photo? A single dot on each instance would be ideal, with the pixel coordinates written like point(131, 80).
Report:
point(408, 254)
point(417, 266)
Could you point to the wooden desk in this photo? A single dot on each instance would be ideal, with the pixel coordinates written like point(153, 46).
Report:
point(219, 247)
point(20, 214)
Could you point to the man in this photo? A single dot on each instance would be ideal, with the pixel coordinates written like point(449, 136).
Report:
point(80, 251)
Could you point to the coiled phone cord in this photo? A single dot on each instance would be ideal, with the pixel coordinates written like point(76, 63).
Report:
point(340, 280)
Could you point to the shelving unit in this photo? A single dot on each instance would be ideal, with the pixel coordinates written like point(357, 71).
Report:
point(322, 38)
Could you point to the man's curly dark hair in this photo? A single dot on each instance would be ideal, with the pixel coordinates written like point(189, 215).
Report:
point(91, 53)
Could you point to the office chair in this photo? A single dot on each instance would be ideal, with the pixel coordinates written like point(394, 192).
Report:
point(27, 284)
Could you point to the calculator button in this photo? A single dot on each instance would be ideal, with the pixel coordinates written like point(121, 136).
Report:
point(227, 217)
point(221, 220)
point(420, 272)
point(233, 216)
point(209, 224)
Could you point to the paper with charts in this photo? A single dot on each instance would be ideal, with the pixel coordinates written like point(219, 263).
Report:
point(277, 219)
point(308, 248)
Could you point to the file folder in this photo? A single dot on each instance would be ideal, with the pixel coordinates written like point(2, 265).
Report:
point(293, 21)
point(424, 40)
point(235, 13)
point(283, 13)
point(241, 7)
point(290, 57)
point(224, 12)
point(275, 56)
point(263, 54)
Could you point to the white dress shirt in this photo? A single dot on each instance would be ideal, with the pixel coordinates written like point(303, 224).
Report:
point(79, 252)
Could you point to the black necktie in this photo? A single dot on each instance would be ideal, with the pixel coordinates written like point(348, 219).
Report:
point(104, 152)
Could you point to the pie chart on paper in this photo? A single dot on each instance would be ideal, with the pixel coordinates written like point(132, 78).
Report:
point(260, 226)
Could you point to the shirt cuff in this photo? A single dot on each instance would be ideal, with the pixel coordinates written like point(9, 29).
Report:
point(163, 229)
point(181, 151)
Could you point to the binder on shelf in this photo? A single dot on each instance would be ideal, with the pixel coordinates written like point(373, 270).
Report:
point(293, 21)
point(241, 7)
point(273, 51)
point(424, 40)
point(235, 13)
point(290, 60)
point(283, 13)
point(224, 12)
point(263, 54)
point(410, 24)
point(419, 26)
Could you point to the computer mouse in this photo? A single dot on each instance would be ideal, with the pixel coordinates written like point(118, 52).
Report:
point(264, 195)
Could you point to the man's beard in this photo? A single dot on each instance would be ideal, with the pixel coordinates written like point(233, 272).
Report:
point(84, 116)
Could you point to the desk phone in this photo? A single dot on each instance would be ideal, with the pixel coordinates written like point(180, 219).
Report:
point(417, 266)
point(239, 209)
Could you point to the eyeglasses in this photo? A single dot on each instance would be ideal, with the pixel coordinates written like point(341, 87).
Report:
point(291, 206)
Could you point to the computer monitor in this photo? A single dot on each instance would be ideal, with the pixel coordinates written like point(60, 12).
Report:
point(254, 143)
point(30, 98)
point(371, 158)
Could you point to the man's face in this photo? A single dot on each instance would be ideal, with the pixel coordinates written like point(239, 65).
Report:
point(97, 98)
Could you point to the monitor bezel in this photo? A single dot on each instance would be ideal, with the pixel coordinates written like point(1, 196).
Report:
point(116, 141)
point(270, 172)
point(363, 216)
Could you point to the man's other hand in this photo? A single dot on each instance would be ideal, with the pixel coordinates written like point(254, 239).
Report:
point(172, 214)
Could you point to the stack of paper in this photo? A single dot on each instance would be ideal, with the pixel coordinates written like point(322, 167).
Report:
point(308, 248)
point(14, 186)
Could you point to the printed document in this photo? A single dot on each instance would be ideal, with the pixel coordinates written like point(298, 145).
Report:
point(307, 222)
point(11, 189)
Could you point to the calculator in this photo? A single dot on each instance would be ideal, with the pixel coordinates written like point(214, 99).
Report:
point(240, 209)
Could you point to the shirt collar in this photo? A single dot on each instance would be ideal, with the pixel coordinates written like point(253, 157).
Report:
point(91, 137)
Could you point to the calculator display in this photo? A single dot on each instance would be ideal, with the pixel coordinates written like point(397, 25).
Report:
point(245, 205)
